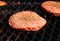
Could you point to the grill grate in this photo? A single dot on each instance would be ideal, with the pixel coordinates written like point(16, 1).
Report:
point(50, 32)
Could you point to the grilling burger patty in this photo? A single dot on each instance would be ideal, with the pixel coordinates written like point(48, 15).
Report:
point(27, 21)
point(2, 3)
point(52, 6)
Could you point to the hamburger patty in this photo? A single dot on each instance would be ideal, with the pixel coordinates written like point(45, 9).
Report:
point(52, 6)
point(2, 3)
point(27, 21)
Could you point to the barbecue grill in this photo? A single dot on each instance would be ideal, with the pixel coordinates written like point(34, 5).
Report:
point(50, 32)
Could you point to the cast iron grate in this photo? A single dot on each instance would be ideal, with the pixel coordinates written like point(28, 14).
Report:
point(50, 32)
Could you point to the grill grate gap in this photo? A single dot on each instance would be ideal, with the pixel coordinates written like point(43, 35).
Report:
point(8, 33)
point(46, 35)
point(52, 39)
point(27, 39)
point(36, 39)
point(16, 32)
point(57, 26)
point(13, 37)
point(54, 35)
point(26, 35)
point(44, 39)
point(30, 35)
point(4, 30)
point(1, 34)
point(34, 35)
point(22, 36)
point(48, 30)
point(4, 38)
point(56, 31)
point(1, 25)
point(59, 39)
point(18, 40)
point(39, 35)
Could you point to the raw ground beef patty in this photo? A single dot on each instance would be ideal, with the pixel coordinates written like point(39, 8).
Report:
point(52, 6)
point(2, 3)
point(27, 21)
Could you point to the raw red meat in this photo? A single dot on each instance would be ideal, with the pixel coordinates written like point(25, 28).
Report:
point(52, 6)
point(27, 21)
point(2, 3)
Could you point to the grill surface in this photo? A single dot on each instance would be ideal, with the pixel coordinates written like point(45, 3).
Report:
point(50, 32)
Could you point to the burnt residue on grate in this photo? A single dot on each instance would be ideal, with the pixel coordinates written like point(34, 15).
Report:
point(50, 32)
